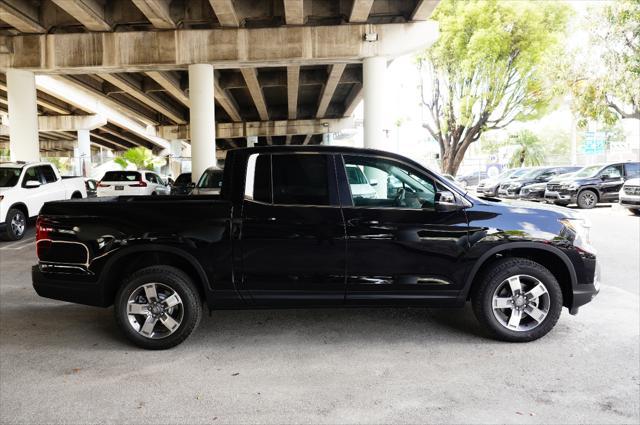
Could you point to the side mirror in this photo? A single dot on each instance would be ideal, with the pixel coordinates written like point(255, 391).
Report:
point(32, 184)
point(373, 182)
point(445, 201)
point(191, 185)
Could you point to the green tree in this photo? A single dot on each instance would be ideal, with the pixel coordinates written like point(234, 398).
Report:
point(141, 157)
point(487, 69)
point(530, 152)
point(608, 88)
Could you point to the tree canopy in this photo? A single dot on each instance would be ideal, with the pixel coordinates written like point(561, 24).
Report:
point(487, 69)
point(141, 157)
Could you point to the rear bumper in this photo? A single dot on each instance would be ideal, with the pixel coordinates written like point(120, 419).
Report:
point(68, 287)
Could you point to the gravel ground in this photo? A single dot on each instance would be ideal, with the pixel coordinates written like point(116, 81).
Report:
point(66, 363)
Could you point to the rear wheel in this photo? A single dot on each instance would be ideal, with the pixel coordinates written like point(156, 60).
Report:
point(158, 307)
point(518, 300)
point(16, 224)
point(587, 199)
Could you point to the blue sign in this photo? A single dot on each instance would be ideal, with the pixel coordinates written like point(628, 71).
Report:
point(594, 142)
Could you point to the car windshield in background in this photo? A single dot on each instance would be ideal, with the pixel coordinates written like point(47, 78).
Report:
point(121, 176)
point(521, 172)
point(183, 179)
point(356, 176)
point(533, 173)
point(589, 171)
point(9, 176)
point(211, 179)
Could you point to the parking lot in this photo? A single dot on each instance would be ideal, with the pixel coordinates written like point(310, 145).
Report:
point(68, 363)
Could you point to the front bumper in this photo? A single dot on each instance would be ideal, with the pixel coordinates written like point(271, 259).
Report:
point(584, 293)
point(69, 287)
point(629, 201)
point(562, 197)
point(487, 190)
point(536, 195)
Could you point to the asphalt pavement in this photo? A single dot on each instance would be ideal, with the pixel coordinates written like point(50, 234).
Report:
point(66, 363)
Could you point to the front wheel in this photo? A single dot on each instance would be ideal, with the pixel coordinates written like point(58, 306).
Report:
point(518, 300)
point(587, 199)
point(158, 307)
point(16, 224)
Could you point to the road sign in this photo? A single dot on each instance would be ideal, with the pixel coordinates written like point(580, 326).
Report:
point(594, 142)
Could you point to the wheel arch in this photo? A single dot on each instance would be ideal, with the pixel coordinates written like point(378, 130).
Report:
point(593, 189)
point(76, 195)
point(19, 206)
point(548, 256)
point(129, 260)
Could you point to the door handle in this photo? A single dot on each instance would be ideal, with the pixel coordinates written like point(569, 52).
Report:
point(360, 222)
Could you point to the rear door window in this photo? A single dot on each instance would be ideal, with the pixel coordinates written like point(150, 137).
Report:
point(121, 176)
point(300, 179)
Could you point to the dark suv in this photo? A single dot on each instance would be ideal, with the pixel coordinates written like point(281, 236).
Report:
point(592, 184)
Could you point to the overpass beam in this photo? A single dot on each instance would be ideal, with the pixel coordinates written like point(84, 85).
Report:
point(23, 116)
point(202, 119)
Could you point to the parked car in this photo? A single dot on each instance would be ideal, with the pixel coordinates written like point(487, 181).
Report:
point(489, 186)
point(91, 185)
point(210, 183)
point(124, 182)
point(592, 184)
point(630, 195)
point(286, 232)
point(473, 179)
point(360, 185)
point(25, 187)
point(535, 191)
point(183, 185)
point(511, 189)
point(454, 180)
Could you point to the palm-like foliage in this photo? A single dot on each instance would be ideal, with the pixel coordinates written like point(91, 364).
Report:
point(530, 150)
point(142, 158)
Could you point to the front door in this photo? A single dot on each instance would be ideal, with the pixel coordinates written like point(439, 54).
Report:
point(399, 249)
point(293, 236)
point(611, 182)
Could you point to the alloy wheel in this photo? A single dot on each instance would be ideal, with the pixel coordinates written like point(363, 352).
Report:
point(18, 224)
point(589, 198)
point(155, 310)
point(521, 303)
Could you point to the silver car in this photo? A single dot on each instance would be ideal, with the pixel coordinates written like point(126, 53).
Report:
point(210, 182)
point(630, 195)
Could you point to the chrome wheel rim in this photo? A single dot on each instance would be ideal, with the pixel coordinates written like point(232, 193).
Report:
point(521, 303)
point(18, 224)
point(154, 310)
point(589, 198)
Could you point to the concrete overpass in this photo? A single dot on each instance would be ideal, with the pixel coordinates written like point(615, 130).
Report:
point(215, 73)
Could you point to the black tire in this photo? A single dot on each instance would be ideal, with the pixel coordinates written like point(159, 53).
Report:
point(76, 195)
point(11, 232)
point(484, 289)
point(587, 199)
point(177, 281)
point(635, 211)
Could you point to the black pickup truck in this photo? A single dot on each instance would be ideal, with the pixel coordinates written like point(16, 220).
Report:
point(293, 228)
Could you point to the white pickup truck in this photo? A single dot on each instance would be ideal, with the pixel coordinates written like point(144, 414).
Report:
point(25, 187)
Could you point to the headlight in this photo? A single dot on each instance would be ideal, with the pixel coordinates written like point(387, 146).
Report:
point(578, 233)
point(572, 186)
point(516, 185)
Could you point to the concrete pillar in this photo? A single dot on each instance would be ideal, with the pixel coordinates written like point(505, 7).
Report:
point(202, 119)
point(374, 71)
point(327, 139)
point(175, 159)
point(252, 141)
point(84, 153)
point(23, 116)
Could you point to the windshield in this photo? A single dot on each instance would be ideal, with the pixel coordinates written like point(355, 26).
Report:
point(183, 179)
point(589, 171)
point(9, 176)
point(211, 179)
point(533, 173)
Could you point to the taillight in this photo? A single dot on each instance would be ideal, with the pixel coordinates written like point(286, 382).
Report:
point(42, 231)
point(139, 184)
point(100, 184)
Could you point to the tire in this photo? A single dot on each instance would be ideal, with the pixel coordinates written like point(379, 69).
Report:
point(587, 199)
point(169, 325)
point(16, 224)
point(635, 211)
point(493, 289)
point(76, 195)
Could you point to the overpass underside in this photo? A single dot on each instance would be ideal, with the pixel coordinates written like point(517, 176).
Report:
point(217, 74)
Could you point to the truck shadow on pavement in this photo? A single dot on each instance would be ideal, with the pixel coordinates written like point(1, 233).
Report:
point(86, 327)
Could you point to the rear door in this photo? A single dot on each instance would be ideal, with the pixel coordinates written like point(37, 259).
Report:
point(399, 249)
point(293, 237)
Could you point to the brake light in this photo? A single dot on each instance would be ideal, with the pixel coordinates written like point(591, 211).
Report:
point(139, 184)
point(42, 231)
point(100, 184)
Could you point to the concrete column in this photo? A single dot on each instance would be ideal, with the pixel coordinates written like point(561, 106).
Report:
point(327, 139)
point(84, 153)
point(175, 162)
point(202, 119)
point(23, 116)
point(374, 74)
point(252, 141)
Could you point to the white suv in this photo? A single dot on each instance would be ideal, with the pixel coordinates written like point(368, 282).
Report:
point(123, 182)
point(630, 195)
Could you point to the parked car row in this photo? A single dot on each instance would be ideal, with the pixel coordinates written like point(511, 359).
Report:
point(565, 185)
